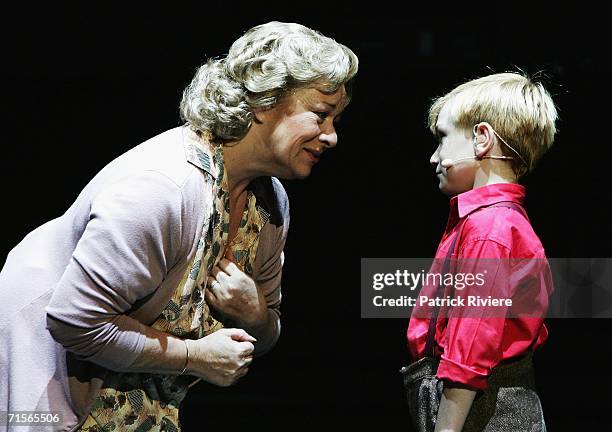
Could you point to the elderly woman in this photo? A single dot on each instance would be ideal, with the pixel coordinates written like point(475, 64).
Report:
point(167, 267)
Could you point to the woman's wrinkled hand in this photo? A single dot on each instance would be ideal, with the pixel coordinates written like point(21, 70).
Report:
point(233, 293)
point(221, 358)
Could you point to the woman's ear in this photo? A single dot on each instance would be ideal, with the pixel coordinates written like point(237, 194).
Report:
point(483, 139)
point(283, 105)
point(265, 115)
point(258, 116)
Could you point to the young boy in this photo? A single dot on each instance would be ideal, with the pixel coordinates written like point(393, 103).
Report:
point(491, 131)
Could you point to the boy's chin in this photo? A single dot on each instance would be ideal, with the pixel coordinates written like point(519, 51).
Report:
point(449, 190)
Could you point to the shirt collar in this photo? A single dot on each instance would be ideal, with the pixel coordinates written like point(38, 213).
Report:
point(470, 201)
point(198, 152)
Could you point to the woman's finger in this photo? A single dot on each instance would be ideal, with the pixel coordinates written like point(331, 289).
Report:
point(220, 276)
point(228, 266)
point(210, 282)
point(210, 297)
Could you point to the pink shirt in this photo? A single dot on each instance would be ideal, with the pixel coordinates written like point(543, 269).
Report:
point(470, 347)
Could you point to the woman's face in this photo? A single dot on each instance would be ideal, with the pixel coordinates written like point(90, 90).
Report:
point(299, 129)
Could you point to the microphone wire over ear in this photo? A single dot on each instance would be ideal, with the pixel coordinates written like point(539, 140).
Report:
point(523, 161)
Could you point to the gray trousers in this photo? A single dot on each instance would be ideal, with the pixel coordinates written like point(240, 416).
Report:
point(509, 403)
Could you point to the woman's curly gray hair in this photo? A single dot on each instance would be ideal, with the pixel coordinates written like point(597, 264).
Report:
point(263, 65)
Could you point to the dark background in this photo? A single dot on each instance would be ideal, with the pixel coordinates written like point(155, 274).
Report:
point(82, 86)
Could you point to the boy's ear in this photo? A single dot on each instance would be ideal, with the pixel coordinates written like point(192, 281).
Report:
point(483, 139)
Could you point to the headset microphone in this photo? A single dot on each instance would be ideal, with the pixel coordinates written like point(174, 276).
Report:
point(449, 163)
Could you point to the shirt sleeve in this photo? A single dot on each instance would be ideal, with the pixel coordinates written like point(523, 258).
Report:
point(129, 244)
point(474, 334)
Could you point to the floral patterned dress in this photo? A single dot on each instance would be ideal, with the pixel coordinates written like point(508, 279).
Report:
point(150, 402)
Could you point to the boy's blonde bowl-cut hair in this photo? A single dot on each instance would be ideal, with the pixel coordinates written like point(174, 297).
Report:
point(520, 110)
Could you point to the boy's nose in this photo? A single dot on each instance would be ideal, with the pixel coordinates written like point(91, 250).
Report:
point(434, 160)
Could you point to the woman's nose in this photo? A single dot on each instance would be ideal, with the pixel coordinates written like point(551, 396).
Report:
point(329, 138)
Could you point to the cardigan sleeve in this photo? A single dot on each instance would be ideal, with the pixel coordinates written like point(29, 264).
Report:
point(130, 242)
point(269, 276)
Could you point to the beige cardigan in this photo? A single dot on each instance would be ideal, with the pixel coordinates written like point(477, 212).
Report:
point(75, 292)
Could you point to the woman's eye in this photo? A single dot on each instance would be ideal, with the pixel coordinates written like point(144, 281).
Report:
point(322, 114)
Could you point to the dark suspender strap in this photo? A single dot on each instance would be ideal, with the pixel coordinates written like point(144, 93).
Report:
point(431, 333)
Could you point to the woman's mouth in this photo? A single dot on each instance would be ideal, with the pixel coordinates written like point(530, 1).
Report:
point(313, 155)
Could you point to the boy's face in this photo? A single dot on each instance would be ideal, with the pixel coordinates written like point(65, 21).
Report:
point(453, 144)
